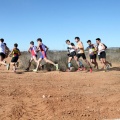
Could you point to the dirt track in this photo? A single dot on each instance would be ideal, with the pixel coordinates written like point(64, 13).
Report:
point(60, 96)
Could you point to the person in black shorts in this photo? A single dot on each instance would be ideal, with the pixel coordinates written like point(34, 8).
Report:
point(2, 54)
point(102, 54)
point(81, 52)
point(15, 56)
point(71, 53)
point(92, 53)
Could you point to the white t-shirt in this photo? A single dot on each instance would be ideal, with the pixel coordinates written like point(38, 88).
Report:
point(71, 49)
point(100, 48)
point(2, 48)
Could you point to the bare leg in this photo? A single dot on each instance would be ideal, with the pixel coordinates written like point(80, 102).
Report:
point(49, 61)
point(69, 62)
point(96, 64)
point(3, 63)
point(29, 64)
point(14, 67)
point(87, 62)
point(38, 63)
point(77, 62)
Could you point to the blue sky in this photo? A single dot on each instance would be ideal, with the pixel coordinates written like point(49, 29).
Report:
point(57, 20)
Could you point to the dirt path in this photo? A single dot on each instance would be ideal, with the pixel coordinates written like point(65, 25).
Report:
point(60, 96)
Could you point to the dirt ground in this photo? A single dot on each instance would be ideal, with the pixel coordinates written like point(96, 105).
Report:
point(60, 95)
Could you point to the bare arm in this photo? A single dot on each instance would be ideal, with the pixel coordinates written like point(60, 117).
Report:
point(10, 53)
point(80, 46)
point(19, 53)
point(29, 50)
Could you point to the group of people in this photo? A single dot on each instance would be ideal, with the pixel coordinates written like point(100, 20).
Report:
point(78, 51)
point(15, 53)
point(5, 52)
point(74, 52)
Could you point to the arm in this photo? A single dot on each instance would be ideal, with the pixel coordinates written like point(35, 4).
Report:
point(10, 53)
point(29, 50)
point(19, 53)
point(46, 48)
point(80, 46)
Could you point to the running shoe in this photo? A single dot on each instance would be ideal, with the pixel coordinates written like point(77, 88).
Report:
point(68, 70)
point(56, 65)
point(35, 70)
point(79, 69)
point(27, 69)
point(84, 68)
point(90, 70)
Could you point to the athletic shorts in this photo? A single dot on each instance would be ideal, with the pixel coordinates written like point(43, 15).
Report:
point(92, 56)
point(43, 55)
point(14, 59)
point(2, 55)
point(72, 54)
point(81, 55)
point(102, 55)
point(34, 56)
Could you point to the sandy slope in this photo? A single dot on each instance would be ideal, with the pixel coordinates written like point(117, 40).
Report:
point(59, 96)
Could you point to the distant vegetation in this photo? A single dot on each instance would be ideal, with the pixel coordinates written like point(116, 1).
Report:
point(60, 57)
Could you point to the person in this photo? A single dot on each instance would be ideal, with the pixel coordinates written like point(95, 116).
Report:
point(33, 50)
point(71, 53)
point(15, 56)
point(92, 53)
point(43, 55)
point(2, 54)
point(81, 52)
point(7, 50)
point(102, 54)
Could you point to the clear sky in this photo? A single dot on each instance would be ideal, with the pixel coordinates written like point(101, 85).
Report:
point(57, 20)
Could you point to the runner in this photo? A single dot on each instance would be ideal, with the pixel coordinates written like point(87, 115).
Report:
point(7, 50)
point(92, 53)
point(15, 56)
point(102, 54)
point(2, 54)
point(32, 49)
point(71, 53)
point(43, 54)
point(81, 52)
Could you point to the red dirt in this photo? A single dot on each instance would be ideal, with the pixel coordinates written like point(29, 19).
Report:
point(59, 95)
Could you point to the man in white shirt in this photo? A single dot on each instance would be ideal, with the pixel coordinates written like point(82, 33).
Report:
point(71, 53)
point(2, 54)
point(102, 53)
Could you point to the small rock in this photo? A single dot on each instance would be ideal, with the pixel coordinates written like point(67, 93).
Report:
point(43, 96)
point(49, 96)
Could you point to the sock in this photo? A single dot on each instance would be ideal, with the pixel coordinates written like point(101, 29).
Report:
point(80, 63)
point(69, 65)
